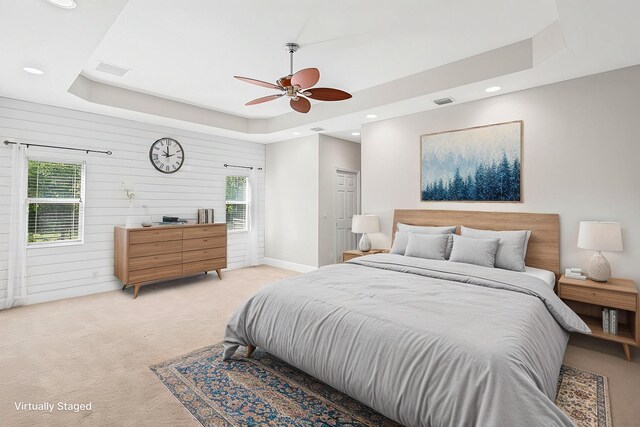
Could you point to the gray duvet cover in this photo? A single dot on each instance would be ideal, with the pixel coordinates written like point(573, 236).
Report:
point(424, 342)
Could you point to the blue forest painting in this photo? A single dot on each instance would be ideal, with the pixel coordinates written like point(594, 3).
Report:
point(476, 164)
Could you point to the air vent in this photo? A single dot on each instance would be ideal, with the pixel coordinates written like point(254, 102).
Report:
point(317, 129)
point(443, 101)
point(114, 70)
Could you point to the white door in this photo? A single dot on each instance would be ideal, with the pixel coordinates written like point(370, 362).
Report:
point(346, 205)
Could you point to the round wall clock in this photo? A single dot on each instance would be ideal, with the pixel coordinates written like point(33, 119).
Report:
point(166, 155)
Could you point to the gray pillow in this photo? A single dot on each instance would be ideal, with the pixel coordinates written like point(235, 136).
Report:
point(474, 251)
point(431, 230)
point(429, 246)
point(426, 230)
point(512, 248)
point(400, 243)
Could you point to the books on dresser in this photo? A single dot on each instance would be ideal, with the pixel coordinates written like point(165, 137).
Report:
point(610, 321)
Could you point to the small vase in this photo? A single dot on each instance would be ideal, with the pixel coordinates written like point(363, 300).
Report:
point(131, 219)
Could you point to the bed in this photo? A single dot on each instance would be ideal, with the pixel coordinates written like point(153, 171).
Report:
point(425, 342)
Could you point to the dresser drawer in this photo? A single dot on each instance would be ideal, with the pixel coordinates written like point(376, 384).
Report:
point(599, 297)
point(154, 235)
point(205, 243)
point(204, 254)
point(204, 231)
point(156, 248)
point(158, 273)
point(153, 261)
point(202, 266)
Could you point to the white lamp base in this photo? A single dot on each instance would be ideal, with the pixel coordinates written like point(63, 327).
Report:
point(365, 243)
point(599, 268)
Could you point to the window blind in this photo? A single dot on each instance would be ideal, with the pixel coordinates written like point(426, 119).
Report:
point(236, 194)
point(55, 206)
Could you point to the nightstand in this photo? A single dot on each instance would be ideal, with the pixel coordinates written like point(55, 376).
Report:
point(587, 298)
point(347, 255)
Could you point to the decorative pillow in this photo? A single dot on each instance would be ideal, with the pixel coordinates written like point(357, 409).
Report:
point(400, 243)
point(512, 247)
point(429, 246)
point(526, 243)
point(431, 230)
point(474, 251)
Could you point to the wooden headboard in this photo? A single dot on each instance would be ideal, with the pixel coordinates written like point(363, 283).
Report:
point(544, 244)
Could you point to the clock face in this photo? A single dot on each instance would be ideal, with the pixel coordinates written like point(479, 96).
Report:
point(166, 155)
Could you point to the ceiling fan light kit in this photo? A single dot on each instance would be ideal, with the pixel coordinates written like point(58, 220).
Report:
point(297, 86)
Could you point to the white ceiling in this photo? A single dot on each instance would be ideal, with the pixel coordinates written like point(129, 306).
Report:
point(189, 52)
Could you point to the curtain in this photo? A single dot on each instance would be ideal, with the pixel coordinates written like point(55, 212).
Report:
point(17, 268)
point(252, 238)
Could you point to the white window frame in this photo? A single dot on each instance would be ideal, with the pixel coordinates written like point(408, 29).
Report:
point(80, 201)
point(247, 203)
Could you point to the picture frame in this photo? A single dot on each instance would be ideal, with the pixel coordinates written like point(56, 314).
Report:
point(476, 164)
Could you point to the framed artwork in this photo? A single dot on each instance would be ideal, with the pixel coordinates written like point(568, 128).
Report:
point(479, 164)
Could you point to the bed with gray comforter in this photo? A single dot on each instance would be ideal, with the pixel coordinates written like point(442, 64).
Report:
point(424, 342)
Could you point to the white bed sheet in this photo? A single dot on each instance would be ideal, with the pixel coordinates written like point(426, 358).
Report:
point(546, 275)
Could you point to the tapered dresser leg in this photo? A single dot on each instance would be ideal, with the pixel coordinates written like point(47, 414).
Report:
point(136, 289)
point(219, 273)
point(250, 350)
point(627, 352)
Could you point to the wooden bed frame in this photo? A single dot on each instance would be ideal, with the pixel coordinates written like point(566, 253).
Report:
point(544, 245)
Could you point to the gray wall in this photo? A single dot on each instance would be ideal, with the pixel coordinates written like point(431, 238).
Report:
point(334, 153)
point(299, 199)
point(581, 153)
point(291, 193)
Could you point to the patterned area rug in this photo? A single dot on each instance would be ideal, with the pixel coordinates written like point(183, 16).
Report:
point(264, 390)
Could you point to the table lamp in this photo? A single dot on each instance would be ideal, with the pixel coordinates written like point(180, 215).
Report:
point(365, 224)
point(600, 236)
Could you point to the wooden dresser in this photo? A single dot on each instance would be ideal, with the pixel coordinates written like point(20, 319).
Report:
point(150, 254)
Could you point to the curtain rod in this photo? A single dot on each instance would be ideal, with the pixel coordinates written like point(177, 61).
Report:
point(108, 153)
point(238, 166)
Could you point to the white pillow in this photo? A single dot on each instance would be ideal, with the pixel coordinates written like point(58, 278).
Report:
point(450, 229)
point(548, 276)
point(428, 246)
point(474, 251)
point(511, 249)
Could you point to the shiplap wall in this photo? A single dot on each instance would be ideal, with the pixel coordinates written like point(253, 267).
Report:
point(66, 271)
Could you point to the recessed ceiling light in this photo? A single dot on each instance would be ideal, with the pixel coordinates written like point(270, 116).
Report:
point(65, 4)
point(371, 116)
point(32, 70)
point(295, 133)
point(355, 133)
point(493, 89)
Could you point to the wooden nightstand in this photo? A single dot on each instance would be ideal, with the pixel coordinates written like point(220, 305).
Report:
point(587, 298)
point(347, 255)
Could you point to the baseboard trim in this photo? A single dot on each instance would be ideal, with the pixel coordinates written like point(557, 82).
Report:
point(301, 268)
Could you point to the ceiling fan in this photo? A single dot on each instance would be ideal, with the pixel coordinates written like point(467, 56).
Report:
point(297, 86)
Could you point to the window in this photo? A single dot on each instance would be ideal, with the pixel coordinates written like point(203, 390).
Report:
point(237, 203)
point(55, 193)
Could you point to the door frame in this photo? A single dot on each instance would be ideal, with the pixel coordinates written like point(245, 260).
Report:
point(338, 257)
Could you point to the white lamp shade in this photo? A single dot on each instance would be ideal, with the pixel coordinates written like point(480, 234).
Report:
point(600, 236)
point(365, 224)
